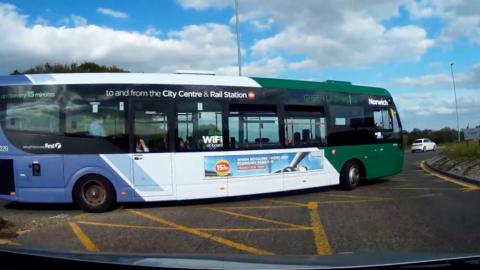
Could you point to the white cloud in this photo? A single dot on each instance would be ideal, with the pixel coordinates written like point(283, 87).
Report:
point(78, 20)
point(356, 44)
point(207, 46)
point(112, 13)
point(261, 68)
point(346, 33)
point(463, 80)
point(262, 24)
point(421, 110)
point(459, 18)
point(205, 4)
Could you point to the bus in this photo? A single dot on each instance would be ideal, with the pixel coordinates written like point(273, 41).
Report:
point(97, 139)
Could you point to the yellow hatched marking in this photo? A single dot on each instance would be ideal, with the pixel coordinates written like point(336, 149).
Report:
point(423, 188)
point(354, 201)
point(83, 237)
point(128, 226)
point(319, 235)
point(253, 207)
point(80, 216)
point(206, 235)
point(467, 186)
point(286, 202)
point(257, 218)
point(364, 197)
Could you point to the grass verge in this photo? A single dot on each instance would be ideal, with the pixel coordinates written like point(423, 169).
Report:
point(462, 150)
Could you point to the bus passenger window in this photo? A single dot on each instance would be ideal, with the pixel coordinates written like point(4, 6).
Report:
point(250, 129)
point(150, 128)
point(94, 119)
point(35, 117)
point(304, 131)
point(348, 116)
point(199, 127)
point(95, 125)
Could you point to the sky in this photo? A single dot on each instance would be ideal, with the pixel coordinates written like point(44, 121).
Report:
point(405, 46)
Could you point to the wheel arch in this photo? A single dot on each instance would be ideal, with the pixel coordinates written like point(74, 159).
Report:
point(363, 170)
point(86, 171)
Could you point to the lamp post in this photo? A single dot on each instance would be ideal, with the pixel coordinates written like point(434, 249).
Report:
point(456, 104)
point(238, 40)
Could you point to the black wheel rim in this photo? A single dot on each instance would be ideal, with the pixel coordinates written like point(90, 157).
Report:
point(94, 193)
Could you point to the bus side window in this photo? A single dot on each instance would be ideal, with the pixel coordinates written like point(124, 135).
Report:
point(253, 126)
point(96, 125)
point(304, 130)
point(35, 117)
point(199, 126)
point(150, 128)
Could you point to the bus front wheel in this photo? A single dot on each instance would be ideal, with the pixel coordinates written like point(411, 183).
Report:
point(350, 175)
point(94, 193)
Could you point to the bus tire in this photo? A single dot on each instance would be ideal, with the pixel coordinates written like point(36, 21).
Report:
point(350, 175)
point(94, 193)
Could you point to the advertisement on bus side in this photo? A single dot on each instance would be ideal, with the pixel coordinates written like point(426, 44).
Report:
point(262, 164)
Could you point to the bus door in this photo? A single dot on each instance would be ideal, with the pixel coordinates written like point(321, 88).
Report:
point(152, 160)
point(388, 138)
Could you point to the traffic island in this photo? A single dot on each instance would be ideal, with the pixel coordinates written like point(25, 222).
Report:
point(463, 169)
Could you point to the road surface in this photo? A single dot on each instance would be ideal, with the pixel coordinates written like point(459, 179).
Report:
point(413, 211)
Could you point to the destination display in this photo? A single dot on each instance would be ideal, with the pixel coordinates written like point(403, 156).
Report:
point(167, 93)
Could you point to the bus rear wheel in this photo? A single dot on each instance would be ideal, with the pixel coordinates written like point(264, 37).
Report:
point(94, 193)
point(350, 175)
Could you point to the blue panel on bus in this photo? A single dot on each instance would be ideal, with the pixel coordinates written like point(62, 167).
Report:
point(15, 80)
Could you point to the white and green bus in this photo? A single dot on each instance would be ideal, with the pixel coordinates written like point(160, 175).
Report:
point(98, 139)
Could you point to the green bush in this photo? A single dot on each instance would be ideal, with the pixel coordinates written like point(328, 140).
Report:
point(462, 150)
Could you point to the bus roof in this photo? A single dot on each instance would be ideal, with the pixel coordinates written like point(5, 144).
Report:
point(184, 79)
point(328, 86)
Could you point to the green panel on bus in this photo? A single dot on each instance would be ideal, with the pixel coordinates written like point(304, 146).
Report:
point(380, 160)
point(324, 86)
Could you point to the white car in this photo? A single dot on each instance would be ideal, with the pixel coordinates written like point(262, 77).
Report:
point(423, 145)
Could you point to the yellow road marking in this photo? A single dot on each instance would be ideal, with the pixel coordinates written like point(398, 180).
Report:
point(252, 207)
point(83, 237)
point(364, 197)
point(128, 226)
point(286, 202)
point(257, 218)
point(319, 235)
point(7, 242)
point(423, 188)
point(206, 235)
point(354, 201)
point(82, 215)
point(467, 186)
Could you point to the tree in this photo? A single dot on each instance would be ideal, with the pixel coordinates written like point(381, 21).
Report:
point(85, 67)
point(443, 135)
